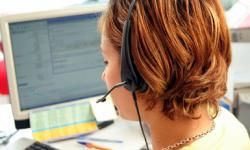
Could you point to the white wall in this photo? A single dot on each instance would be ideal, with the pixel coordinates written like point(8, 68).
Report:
point(18, 6)
point(241, 63)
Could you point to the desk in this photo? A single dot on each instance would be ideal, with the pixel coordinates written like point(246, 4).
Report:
point(127, 131)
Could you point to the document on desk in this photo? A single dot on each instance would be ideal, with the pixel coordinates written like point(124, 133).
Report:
point(61, 122)
point(103, 111)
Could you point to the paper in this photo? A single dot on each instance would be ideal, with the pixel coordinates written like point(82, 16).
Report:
point(56, 123)
point(103, 111)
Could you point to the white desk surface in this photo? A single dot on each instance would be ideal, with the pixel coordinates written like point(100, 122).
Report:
point(127, 131)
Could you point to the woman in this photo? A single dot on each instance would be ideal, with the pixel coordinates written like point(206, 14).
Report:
point(181, 49)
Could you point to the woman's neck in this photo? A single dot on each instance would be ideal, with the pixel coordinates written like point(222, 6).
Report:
point(165, 132)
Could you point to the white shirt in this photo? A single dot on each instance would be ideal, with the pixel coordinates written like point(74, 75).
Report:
point(228, 134)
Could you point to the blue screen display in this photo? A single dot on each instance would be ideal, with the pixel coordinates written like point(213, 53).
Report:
point(57, 60)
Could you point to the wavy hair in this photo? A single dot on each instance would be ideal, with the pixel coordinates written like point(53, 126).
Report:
point(180, 47)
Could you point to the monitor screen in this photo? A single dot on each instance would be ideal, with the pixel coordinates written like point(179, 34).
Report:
point(52, 58)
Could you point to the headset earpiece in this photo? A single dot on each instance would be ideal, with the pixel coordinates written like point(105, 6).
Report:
point(129, 72)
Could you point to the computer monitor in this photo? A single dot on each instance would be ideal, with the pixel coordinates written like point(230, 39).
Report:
point(52, 57)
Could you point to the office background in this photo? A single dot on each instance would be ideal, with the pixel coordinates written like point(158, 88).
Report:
point(238, 16)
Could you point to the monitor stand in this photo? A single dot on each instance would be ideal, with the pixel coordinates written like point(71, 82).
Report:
point(22, 124)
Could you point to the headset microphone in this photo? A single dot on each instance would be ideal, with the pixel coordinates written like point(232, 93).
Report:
point(103, 99)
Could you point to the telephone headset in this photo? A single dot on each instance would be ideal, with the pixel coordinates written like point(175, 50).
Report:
point(131, 79)
point(129, 72)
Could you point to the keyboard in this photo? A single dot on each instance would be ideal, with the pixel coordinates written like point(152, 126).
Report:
point(39, 146)
point(29, 144)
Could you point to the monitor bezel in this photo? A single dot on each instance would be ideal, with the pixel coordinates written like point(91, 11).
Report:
point(21, 116)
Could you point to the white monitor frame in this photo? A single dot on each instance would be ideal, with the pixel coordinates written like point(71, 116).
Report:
point(6, 39)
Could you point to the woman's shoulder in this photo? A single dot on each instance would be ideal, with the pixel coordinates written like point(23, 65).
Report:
point(229, 123)
point(229, 133)
point(233, 134)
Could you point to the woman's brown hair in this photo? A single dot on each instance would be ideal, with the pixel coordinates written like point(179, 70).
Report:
point(180, 47)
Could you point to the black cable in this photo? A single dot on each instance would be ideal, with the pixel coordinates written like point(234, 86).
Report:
point(7, 138)
point(139, 117)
